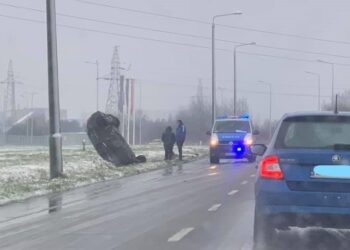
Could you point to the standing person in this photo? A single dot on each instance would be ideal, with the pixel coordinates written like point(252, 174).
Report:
point(168, 139)
point(180, 137)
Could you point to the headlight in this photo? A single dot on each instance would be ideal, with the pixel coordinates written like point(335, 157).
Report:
point(214, 140)
point(248, 139)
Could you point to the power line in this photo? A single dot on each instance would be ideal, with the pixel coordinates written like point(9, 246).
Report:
point(175, 33)
point(300, 51)
point(287, 58)
point(285, 34)
point(142, 12)
point(160, 41)
point(113, 34)
point(208, 23)
point(117, 24)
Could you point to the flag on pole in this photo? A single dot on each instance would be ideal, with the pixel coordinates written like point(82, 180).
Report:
point(127, 90)
point(121, 97)
point(132, 101)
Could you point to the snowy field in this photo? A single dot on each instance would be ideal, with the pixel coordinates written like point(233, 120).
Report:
point(24, 172)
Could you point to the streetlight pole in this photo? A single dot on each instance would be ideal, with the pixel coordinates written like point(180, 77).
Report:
point(319, 87)
point(235, 75)
point(332, 65)
point(56, 164)
point(97, 81)
point(270, 105)
point(213, 91)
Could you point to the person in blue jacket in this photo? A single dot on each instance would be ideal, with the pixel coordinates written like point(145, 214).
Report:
point(180, 136)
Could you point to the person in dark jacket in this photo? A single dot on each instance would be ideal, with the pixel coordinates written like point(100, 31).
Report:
point(180, 136)
point(168, 139)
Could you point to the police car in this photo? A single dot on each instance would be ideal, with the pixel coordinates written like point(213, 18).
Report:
point(231, 137)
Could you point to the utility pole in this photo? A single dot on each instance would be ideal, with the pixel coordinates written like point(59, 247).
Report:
point(56, 165)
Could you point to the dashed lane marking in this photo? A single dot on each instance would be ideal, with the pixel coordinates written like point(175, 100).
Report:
point(179, 235)
point(244, 182)
point(232, 192)
point(214, 207)
point(252, 175)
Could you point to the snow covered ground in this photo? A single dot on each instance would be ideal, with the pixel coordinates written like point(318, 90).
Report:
point(24, 172)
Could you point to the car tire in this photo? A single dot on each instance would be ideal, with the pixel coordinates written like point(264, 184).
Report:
point(264, 232)
point(251, 159)
point(214, 160)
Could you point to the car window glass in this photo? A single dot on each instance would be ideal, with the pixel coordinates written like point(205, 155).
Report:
point(313, 134)
point(232, 126)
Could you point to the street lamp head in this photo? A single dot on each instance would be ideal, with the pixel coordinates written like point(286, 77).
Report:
point(228, 14)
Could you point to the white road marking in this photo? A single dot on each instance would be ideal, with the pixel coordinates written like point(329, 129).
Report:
point(244, 182)
point(214, 207)
point(232, 192)
point(179, 235)
point(211, 174)
point(252, 175)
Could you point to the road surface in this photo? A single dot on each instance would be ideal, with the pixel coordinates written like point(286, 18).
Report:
point(194, 206)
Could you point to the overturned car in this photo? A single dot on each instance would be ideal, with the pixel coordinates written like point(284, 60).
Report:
point(103, 131)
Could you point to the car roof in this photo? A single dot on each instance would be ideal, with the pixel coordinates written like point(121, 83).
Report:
point(315, 113)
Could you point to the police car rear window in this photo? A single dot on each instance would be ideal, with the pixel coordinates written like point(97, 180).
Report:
point(232, 126)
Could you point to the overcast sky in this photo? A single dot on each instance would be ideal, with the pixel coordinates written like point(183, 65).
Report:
point(169, 73)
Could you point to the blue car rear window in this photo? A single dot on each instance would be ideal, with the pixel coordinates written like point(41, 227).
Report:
point(314, 132)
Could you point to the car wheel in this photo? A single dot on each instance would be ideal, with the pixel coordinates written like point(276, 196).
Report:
point(214, 160)
point(264, 232)
point(251, 158)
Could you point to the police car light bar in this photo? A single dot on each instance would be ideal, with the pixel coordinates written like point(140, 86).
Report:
point(243, 116)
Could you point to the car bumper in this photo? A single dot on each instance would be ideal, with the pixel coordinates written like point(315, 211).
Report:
point(285, 207)
point(230, 151)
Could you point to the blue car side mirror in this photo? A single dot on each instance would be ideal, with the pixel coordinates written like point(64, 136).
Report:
point(258, 149)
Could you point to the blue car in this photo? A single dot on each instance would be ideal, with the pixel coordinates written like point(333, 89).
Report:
point(231, 137)
point(304, 175)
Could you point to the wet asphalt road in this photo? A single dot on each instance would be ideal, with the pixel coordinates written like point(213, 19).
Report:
point(194, 206)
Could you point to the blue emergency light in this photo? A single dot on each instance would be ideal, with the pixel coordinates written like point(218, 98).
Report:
point(245, 116)
point(242, 116)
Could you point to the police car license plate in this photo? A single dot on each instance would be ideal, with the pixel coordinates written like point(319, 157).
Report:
point(230, 154)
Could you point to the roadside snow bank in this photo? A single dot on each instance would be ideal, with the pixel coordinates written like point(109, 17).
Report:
point(24, 172)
